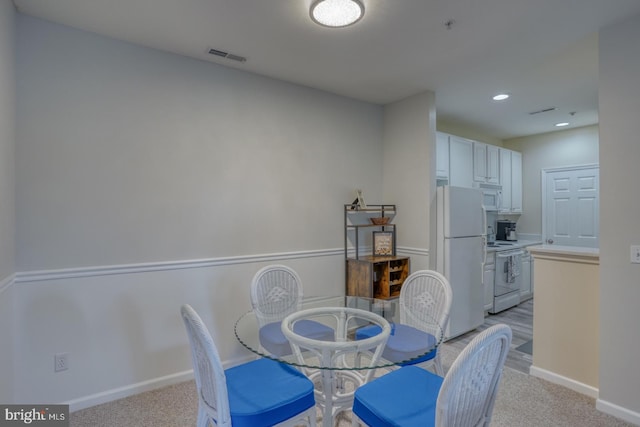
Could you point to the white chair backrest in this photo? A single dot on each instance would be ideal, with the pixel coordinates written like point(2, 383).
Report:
point(425, 299)
point(210, 378)
point(469, 389)
point(276, 291)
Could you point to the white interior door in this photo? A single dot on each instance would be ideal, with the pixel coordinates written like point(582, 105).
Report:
point(571, 206)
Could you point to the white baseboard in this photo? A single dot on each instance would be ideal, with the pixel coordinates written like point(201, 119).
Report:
point(569, 383)
point(618, 412)
point(126, 391)
point(133, 389)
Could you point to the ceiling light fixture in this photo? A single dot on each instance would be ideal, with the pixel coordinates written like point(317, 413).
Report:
point(501, 97)
point(336, 13)
point(563, 124)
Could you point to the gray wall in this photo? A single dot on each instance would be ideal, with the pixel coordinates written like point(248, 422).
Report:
point(549, 150)
point(132, 155)
point(408, 171)
point(7, 196)
point(146, 180)
point(619, 105)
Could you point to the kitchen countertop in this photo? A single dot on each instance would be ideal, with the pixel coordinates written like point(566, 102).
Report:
point(518, 244)
point(566, 250)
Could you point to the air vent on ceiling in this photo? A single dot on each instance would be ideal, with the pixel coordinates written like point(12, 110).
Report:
point(227, 55)
point(546, 110)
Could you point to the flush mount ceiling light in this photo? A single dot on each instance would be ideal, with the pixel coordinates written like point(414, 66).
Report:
point(501, 97)
point(563, 124)
point(336, 13)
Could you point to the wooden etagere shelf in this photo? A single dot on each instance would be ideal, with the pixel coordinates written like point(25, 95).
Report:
point(373, 276)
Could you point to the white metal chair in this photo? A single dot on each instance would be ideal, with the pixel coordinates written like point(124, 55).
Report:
point(339, 371)
point(425, 303)
point(259, 393)
point(411, 396)
point(276, 292)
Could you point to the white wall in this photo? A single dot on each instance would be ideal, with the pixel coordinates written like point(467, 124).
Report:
point(160, 157)
point(7, 195)
point(146, 180)
point(549, 150)
point(619, 104)
point(408, 171)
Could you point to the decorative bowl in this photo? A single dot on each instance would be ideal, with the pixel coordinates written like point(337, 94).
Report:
point(379, 220)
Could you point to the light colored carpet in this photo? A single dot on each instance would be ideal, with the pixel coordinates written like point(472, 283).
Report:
point(523, 401)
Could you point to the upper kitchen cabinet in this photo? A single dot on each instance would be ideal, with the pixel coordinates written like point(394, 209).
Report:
point(516, 182)
point(505, 180)
point(486, 163)
point(460, 162)
point(511, 181)
point(442, 156)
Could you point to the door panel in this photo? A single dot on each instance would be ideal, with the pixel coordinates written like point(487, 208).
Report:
point(571, 207)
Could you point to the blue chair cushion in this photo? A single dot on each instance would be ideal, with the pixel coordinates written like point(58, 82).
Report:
point(405, 397)
point(264, 392)
point(274, 341)
point(405, 343)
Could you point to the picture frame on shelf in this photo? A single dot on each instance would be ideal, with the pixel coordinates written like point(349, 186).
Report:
point(383, 243)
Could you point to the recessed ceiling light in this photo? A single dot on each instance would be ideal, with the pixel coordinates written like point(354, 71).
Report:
point(501, 97)
point(336, 13)
point(562, 124)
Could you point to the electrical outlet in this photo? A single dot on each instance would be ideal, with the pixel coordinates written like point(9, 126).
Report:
point(60, 362)
point(635, 254)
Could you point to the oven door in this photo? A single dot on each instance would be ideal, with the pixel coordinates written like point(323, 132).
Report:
point(508, 272)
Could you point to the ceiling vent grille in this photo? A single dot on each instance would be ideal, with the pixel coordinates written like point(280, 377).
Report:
point(226, 55)
point(546, 110)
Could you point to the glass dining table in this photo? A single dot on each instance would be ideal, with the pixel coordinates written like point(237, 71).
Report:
point(340, 343)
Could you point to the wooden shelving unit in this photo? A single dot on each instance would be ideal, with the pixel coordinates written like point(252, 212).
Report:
point(377, 277)
point(373, 276)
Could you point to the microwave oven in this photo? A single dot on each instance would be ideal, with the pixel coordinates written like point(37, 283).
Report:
point(491, 196)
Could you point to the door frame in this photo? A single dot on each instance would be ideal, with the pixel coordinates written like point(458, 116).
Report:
point(543, 190)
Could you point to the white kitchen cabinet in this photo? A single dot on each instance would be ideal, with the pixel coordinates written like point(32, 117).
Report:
point(488, 277)
point(526, 287)
point(442, 156)
point(516, 182)
point(460, 162)
point(505, 180)
point(511, 181)
point(486, 163)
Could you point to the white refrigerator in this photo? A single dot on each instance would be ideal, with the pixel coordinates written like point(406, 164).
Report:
point(460, 254)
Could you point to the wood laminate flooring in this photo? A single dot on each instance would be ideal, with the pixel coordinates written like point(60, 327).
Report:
point(520, 319)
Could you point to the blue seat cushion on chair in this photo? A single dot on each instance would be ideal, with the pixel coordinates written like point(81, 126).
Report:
point(264, 392)
point(404, 343)
point(274, 341)
point(405, 397)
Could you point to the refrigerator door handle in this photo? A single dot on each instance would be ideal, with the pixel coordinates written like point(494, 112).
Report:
point(484, 237)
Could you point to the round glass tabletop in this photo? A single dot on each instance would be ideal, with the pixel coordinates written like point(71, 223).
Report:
point(341, 333)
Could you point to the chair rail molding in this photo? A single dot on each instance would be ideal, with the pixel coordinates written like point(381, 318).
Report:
point(7, 282)
point(93, 271)
point(413, 251)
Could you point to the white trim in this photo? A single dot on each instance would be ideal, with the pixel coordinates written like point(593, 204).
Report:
point(618, 411)
point(413, 251)
point(569, 383)
point(6, 283)
point(126, 391)
point(543, 189)
point(141, 387)
point(68, 273)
